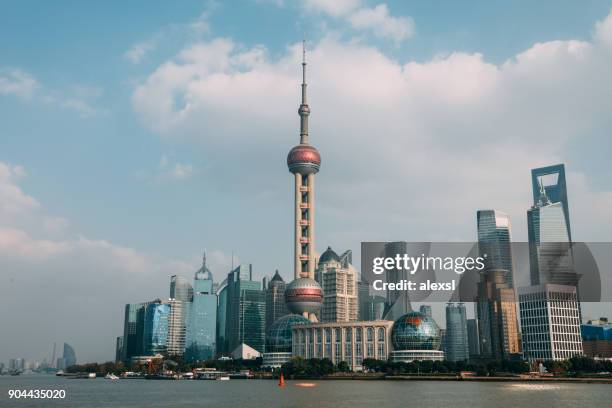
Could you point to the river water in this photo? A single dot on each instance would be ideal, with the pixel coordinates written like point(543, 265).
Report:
point(337, 394)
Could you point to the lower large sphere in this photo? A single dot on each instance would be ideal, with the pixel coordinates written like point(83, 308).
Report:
point(304, 295)
point(279, 336)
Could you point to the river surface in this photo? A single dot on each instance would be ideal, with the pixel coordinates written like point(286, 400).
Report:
point(337, 394)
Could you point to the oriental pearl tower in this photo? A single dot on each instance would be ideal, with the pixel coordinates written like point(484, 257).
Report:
point(304, 295)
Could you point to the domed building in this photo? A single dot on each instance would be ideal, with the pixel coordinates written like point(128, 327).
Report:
point(279, 340)
point(415, 336)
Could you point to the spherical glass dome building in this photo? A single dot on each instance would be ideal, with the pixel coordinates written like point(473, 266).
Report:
point(279, 336)
point(415, 336)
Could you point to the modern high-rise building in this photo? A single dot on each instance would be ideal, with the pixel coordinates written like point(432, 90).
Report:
point(456, 333)
point(552, 180)
point(275, 300)
point(304, 295)
point(550, 322)
point(119, 349)
point(222, 345)
point(496, 300)
point(494, 240)
point(339, 282)
point(202, 325)
point(398, 301)
point(363, 297)
point(155, 336)
point(497, 316)
point(550, 253)
point(246, 310)
point(133, 330)
point(473, 338)
point(180, 289)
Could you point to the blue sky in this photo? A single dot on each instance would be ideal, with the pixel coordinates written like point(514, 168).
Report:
point(152, 130)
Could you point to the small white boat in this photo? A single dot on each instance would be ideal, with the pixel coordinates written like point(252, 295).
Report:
point(223, 378)
point(111, 376)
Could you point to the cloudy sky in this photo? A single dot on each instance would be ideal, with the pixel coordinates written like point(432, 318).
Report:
point(134, 135)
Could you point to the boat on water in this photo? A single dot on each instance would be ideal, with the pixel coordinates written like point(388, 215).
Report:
point(241, 375)
point(111, 376)
point(224, 378)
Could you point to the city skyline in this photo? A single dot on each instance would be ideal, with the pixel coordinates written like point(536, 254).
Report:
point(96, 241)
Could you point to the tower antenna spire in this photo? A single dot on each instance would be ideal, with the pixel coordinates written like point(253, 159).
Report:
point(304, 110)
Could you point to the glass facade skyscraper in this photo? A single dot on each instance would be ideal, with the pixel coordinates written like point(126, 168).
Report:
point(202, 325)
point(494, 237)
point(245, 311)
point(133, 330)
point(456, 333)
point(275, 300)
point(156, 328)
point(552, 179)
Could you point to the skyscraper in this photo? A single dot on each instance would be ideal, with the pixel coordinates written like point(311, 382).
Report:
point(339, 282)
point(494, 238)
point(133, 330)
point(155, 336)
point(180, 289)
point(550, 253)
point(473, 338)
point(304, 295)
point(222, 345)
point(496, 301)
point(275, 300)
point(202, 327)
point(398, 301)
point(552, 179)
point(246, 310)
point(550, 321)
point(456, 341)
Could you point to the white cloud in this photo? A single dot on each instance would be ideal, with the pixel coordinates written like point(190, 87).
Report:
point(433, 131)
point(337, 8)
point(138, 51)
point(382, 24)
point(16, 82)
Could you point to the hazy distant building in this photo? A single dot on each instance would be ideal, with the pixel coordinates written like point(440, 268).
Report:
point(275, 300)
point(155, 336)
point(473, 338)
point(68, 358)
point(119, 349)
point(552, 180)
point(456, 333)
point(374, 308)
point(338, 278)
point(202, 324)
point(550, 322)
point(246, 310)
point(180, 288)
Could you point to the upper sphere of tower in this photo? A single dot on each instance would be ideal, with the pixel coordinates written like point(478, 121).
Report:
point(304, 159)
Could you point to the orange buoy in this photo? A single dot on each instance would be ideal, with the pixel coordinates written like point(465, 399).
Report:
point(281, 380)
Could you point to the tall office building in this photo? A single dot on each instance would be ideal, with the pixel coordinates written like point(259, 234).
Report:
point(398, 301)
point(550, 321)
point(155, 335)
point(494, 240)
point(67, 359)
point(497, 316)
point(363, 298)
point(550, 253)
point(222, 345)
point(202, 327)
point(119, 349)
point(456, 341)
point(246, 310)
point(552, 180)
point(180, 289)
point(339, 282)
point(304, 295)
point(133, 330)
point(275, 300)
point(473, 338)
point(496, 299)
